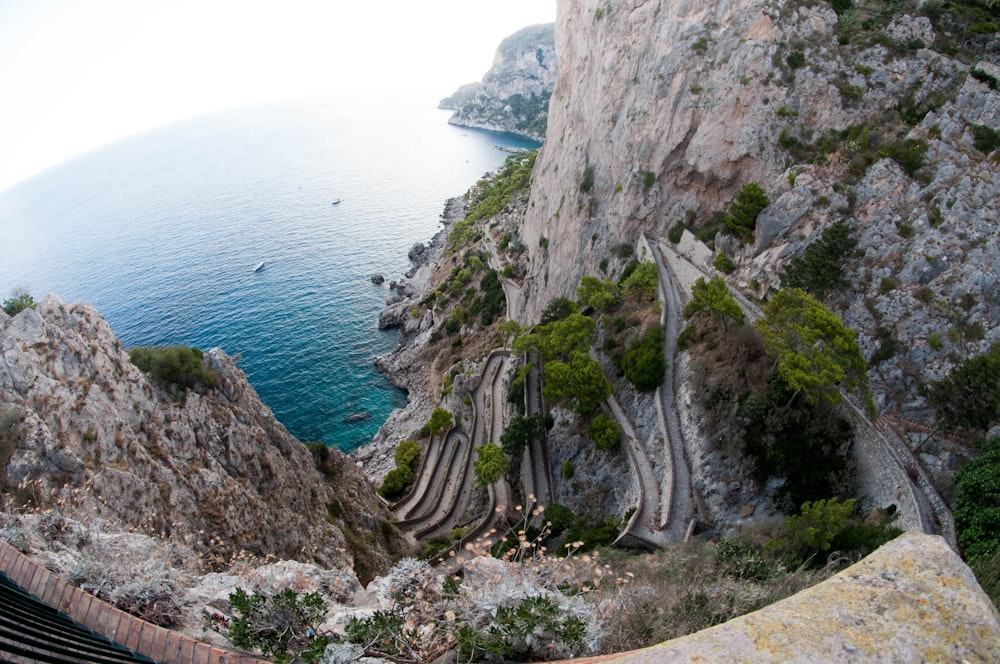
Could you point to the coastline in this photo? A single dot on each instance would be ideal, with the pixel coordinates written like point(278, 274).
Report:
point(404, 366)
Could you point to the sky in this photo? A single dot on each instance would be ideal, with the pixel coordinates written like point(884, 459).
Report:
point(77, 74)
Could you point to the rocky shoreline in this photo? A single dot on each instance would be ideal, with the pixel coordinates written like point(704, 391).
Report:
point(404, 366)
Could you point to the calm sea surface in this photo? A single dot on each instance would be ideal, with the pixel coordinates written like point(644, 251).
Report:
point(162, 232)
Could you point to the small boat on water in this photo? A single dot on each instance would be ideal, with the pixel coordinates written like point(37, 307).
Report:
point(259, 267)
point(335, 202)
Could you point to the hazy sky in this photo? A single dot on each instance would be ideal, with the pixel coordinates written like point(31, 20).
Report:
point(76, 74)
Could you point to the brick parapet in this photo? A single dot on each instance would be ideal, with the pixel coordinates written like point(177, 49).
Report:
point(157, 643)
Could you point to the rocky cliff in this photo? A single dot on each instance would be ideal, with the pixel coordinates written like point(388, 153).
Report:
point(662, 111)
point(514, 94)
point(89, 434)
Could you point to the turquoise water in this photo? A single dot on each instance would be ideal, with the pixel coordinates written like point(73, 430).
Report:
point(162, 232)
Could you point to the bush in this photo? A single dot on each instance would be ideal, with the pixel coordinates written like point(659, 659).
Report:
point(909, 154)
point(648, 180)
point(558, 309)
point(977, 503)
point(820, 268)
point(396, 482)
point(723, 263)
point(282, 626)
point(605, 433)
point(17, 303)
point(676, 232)
point(743, 213)
point(986, 139)
point(601, 295)
point(490, 464)
point(587, 181)
point(440, 422)
point(968, 399)
point(408, 454)
point(644, 363)
point(559, 517)
point(174, 365)
point(641, 281)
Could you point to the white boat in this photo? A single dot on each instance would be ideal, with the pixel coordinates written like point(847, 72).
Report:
point(336, 202)
point(260, 266)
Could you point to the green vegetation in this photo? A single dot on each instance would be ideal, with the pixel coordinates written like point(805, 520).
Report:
point(640, 280)
point(17, 303)
point(490, 464)
point(559, 338)
point(579, 384)
point(605, 433)
point(977, 503)
point(283, 626)
point(723, 263)
point(816, 353)
point(820, 269)
point(600, 295)
point(644, 363)
point(743, 213)
point(986, 140)
point(587, 181)
point(440, 422)
point(558, 309)
point(648, 180)
point(968, 399)
point(398, 480)
point(520, 432)
point(171, 366)
point(818, 523)
point(492, 195)
point(714, 299)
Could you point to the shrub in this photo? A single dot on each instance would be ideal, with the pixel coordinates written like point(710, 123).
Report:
point(644, 363)
point(587, 181)
point(676, 232)
point(986, 140)
point(282, 626)
point(559, 517)
point(558, 309)
point(408, 454)
point(440, 422)
point(818, 523)
point(642, 281)
point(968, 399)
point(820, 269)
point(605, 433)
point(520, 432)
point(909, 154)
point(396, 482)
point(490, 464)
point(743, 213)
point(601, 295)
point(174, 365)
point(648, 180)
point(796, 59)
point(17, 303)
point(977, 502)
point(723, 263)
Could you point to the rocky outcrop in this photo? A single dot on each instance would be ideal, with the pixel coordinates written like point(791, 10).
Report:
point(96, 439)
point(514, 94)
point(912, 600)
point(662, 111)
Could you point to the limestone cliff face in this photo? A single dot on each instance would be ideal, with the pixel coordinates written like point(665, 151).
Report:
point(663, 110)
point(97, 439)
point(514, 94)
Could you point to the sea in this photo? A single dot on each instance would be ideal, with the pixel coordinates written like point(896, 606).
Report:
point(164, 231)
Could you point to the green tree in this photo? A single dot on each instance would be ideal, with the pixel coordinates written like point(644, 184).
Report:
point(642, 281)
point(818, 523)
point(396, 482)
point(713, 298)
point(559, 338)
point(820, 269)
point(408, 454)
point(743, 213)
point(440, 422)
point(644, 363)
point(18, 302)
point(599, 294)
point(816, 353)
point(977, 502)
point(520, 432)
point(580, 383)
point(969, 397)
point(558, 309)
point(604, 432)
point(490, 465)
